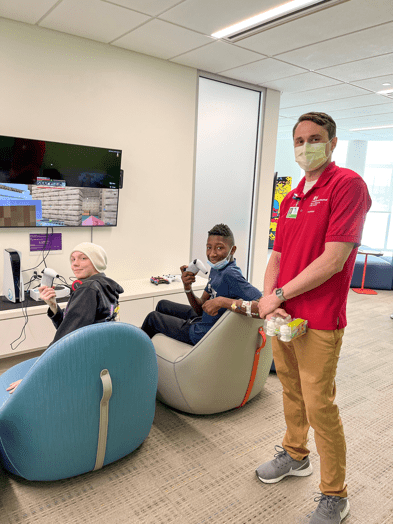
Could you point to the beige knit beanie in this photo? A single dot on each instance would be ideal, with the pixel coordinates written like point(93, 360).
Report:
point(95, 253)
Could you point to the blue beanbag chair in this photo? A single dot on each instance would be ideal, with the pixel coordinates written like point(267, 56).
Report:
point(51, 425)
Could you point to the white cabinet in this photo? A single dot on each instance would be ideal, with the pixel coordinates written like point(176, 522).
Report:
point(180, 298)
point(139, 298)
point(134, 311)
point(39, 333)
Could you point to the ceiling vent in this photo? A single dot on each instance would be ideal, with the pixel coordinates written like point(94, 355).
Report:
point(283, 19)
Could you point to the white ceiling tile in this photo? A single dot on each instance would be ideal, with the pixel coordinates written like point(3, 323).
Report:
point(217, 56)
point(335, 106)
point(284, 121)
point(364, 44)
point(377, 134)
point(322, 94)
point(375, 84)
point(337, 20)
point(209, 16)
point(326, 61)
point(366, 121)
point(302, 82)
point(149, 7)
point(286, 126)
point(262, 71)
point(25, 10)
point(92, 19)
point(161, 39)
point(361, 69)
point(381, 109)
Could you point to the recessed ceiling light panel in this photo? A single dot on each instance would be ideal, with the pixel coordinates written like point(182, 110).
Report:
point(273, 17)
point(370, 128)
point(385, 92)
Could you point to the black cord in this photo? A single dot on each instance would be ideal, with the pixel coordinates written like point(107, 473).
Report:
point(44, 257)
point(43, 249)
point(25, 316)
point(24, 312)
point(24, 305)
point(64, 281)
point(32, 279)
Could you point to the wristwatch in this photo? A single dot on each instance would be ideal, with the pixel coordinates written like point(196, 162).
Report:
point(280, 294)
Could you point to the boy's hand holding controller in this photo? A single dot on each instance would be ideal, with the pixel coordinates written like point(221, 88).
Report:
point(188, 273)
point(48, 295)
point(195, 266)
point(187, 277)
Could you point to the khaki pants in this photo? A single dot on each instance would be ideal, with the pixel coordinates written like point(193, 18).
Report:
point(307, 368)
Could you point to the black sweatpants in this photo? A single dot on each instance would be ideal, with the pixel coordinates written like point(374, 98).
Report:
point(171, 319)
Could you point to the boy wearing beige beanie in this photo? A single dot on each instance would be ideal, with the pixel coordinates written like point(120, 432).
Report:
point(94, 297)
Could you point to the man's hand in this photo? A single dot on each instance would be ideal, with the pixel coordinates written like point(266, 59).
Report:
point(188, 278)
point(212, 306)
point(269, 304)
point(12, 387)
point(279, 312)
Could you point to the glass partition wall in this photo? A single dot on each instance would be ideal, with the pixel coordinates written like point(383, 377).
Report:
point(228, 135)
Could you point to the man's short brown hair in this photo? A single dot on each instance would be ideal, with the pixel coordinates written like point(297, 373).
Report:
point(321, 119)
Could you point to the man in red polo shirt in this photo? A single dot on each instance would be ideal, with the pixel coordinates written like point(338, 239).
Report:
point(310, 269)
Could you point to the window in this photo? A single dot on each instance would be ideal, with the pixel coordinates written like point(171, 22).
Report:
point(340, 153)
point(378, 175)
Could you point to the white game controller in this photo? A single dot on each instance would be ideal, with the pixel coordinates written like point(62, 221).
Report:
point(48, 277)
point(61, 292)
point(195, 266)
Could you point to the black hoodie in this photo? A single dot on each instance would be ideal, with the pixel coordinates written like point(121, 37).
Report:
point(94, 301)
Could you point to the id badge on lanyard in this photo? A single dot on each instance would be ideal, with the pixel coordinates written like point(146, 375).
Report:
point(292, 212)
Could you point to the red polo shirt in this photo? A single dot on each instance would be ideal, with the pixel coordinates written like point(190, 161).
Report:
point(334, 210)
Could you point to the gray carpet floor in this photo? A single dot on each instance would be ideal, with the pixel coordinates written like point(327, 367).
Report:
point(201, 469)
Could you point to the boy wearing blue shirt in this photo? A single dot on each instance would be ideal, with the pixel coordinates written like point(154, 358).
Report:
point(226, 289)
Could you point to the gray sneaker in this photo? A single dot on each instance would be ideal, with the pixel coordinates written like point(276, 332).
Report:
point(283, 466)
point(330, 510)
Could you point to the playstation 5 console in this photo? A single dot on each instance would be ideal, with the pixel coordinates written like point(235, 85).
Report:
point(13, 288)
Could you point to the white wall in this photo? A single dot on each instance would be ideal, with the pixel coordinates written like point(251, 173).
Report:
point(62, 88)
point(68, 89)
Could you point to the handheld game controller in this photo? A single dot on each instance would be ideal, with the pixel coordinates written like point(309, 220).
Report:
point(48, 277)
point(159, 280)
point(195, 266)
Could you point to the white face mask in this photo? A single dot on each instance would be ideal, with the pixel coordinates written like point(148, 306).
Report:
point(311, 156)
point(222, 263)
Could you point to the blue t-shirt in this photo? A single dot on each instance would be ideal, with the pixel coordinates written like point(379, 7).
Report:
point(230, 283)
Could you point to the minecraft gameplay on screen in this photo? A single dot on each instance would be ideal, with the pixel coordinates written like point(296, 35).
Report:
point(46, 183)
point(52, 203)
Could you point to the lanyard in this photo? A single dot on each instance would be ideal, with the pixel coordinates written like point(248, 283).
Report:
point(293, 211)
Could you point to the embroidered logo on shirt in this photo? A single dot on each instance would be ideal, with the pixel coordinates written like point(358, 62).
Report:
point(315, 201)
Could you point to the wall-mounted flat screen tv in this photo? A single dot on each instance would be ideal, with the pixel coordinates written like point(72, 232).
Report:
point(46, 184)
